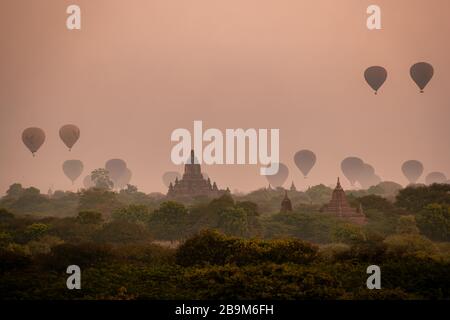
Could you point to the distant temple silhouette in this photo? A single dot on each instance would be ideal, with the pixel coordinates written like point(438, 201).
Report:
point(192, 184)
point(293, 188)
point(286, 204)
point(339, 207)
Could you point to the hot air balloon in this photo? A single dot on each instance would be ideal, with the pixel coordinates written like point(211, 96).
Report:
point(170, 177)
point(278, 179)
point(124, 179)
point(435, 177)
point(305, 160)
point(69, 134)
point(367, 177)
point(374, 180)
point(375, 77)
point(72, 169)
point(33, 138)
point(352, 168)
point(421, 73)
point(87, 182)
point(116, 168)
point(412, 170)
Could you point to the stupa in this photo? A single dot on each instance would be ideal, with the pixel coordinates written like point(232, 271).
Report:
point(193, 184)
point(339, 207)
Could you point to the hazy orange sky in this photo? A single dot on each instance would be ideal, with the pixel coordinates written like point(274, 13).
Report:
point(139, 69)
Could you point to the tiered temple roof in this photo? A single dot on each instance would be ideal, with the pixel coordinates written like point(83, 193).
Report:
point(286, 204)
point(339, 207)
point(192, 183)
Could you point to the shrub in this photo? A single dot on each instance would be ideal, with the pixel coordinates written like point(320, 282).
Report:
point(84, 255)
point(213, 248)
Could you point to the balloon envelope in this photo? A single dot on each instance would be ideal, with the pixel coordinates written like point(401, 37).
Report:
point(72, 169)
point(278, 179)
point(33, 138)
point(421, 73)
point(170, 177)
point(352, 168)
point(305, 160)
point(412, 170)
point(375, 77)
point(116, 168)
point(435, 177)
point(69, 134)
point(124, 179)
point(367, 176)
point(87, 182)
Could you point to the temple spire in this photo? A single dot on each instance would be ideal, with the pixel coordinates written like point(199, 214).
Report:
point(192, 157)
point(286, 205)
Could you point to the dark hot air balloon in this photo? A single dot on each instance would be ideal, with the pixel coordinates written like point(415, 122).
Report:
point(375, 77)
point(435, 177)
point(33, 138)
point(421, 73)
point(72, 169)
point(69, 134)
point(305, 160)
point(116, 168)
point(278, 179)
point(412, 170)
point(352, 168)
point(170, 177)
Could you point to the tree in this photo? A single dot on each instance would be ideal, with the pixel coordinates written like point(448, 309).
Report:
point(99, 200)
point(169, 221)
point(233, 222)
point(407, 225)
point(349, 234)
point(89, 217)
point(5, 215)
point(415, 198)
point(401, 245)
point(434, 222)
point(15, 191)
point(132, 213)
point(101, 179)
point(374, 202)
point(319, 194)
point(130, 189)
point(36, 230)
point(122, 232)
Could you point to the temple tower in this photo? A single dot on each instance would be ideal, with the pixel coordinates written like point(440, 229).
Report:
point(286, 204)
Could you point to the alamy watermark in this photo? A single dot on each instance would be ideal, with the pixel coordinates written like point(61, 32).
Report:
point(236, 146)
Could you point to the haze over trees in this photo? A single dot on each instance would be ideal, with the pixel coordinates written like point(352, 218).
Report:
point(235, 246)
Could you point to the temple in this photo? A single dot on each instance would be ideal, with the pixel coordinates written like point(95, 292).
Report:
point(286, 205)
point(340, 208)
point(192, 184)
point(293, 188)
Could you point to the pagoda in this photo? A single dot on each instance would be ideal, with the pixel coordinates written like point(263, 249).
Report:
point(293, 188)
point(192, 184)
point(286, 204)
point(339, 207)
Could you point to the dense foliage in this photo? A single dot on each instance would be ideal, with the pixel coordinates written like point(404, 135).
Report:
point(135, 246)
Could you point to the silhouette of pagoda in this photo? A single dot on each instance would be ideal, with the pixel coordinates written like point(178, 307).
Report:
point(286, 204)
point(339, 207)
point(293, 188)
point(192, 184)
